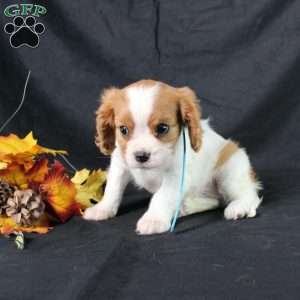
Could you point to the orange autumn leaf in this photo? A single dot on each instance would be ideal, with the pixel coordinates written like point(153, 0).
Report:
point(26, 159)
point(60, 193)
point(22, 151)
point(38, 172)
point(8, 226)
point(16, 175)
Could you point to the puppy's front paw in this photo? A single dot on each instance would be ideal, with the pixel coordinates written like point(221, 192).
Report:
point(98, 212)
point(150, 224)
point(238, 209)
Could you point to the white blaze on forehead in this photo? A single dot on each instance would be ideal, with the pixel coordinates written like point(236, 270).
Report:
point(141, 101)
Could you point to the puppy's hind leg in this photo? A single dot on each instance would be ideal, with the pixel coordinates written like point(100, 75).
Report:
point(192, 205)
point(238, 186)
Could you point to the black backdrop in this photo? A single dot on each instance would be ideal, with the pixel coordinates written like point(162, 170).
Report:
point(243, 60)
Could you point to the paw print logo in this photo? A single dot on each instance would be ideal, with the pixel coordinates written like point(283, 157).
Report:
point(24, 32)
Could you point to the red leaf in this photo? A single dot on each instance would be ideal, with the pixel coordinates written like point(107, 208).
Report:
point(60, 193)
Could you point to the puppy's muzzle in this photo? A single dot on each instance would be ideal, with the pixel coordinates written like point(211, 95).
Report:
point(142, 156)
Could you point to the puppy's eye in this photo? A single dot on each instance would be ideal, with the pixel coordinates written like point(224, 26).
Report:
point(124, 130)
point(162, 129)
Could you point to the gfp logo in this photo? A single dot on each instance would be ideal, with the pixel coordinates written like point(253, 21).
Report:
point(24, 30)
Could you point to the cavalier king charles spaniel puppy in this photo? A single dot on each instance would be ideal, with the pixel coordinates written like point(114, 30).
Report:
point(140, 127)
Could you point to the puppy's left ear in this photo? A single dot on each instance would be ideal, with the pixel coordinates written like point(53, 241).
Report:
point(190, 114)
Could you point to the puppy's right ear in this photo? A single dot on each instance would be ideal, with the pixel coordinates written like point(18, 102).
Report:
point(105, 121)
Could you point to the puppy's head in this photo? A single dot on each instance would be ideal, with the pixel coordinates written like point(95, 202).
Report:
point(144, 120)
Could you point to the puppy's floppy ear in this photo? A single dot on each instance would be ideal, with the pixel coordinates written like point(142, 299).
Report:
point(105, 121)
point(190, 114)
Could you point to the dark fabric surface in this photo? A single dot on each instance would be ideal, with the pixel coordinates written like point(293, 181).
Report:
point(243, 60)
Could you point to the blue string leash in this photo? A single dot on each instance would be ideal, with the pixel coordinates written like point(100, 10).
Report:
point(183, 164)
point(181, 186)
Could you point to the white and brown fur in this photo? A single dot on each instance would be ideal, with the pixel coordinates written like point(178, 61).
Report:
point(218, 171)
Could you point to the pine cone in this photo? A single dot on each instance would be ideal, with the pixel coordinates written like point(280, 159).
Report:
point(25, 207)
point(6, 192)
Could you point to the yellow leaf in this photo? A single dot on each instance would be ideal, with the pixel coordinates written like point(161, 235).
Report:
point(80, 176)
point(12, 144)
point(40, 150)
point(3, 165)
point(22, 151)
point(89, 186)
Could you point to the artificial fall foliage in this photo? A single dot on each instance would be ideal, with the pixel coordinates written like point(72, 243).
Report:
point(60, 193)
point(25, 207)
point(34, 190)
point(89, 186)
point(6, 192)
point(21, 151)
point(9, 226)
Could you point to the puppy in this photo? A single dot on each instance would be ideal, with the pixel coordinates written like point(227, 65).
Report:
point(140, 126)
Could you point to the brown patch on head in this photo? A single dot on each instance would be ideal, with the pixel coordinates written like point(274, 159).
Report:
point(143, 83)
point(123, 118)
point(165, 111)
point(227, 151)
point(112, 113)
point(176, 107)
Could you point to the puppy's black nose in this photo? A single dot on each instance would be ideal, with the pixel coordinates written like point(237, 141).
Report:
point(141, 156)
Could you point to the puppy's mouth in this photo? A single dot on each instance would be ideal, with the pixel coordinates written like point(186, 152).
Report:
point(144, 167)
